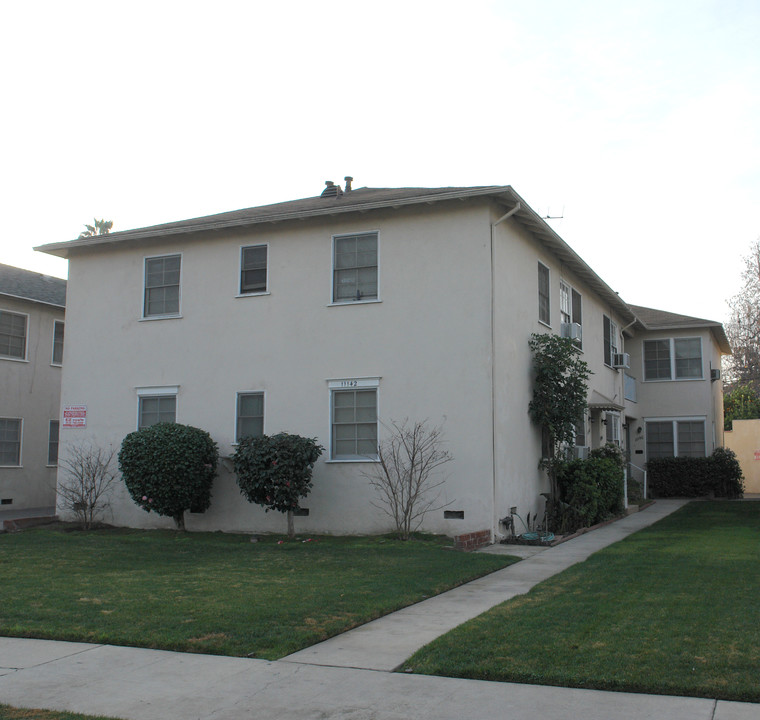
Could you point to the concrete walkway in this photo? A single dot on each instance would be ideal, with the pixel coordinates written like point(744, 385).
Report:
point(338, 678)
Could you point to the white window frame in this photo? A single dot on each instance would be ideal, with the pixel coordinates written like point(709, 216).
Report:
point(241, 293)
point(675, 421)
point(356, 383)
point(50, 442)
point(155, 391)
point(672, 350)
point(20, 463)
point(335, 238)
point(15, 358)
point(567, 308)
point(237, 412)
point(548, 319)
point(612, 428)
point(613, 340)
point(161, 316)
point(53, 361)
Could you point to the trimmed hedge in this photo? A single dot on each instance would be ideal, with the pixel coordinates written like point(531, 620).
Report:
point(719, 475)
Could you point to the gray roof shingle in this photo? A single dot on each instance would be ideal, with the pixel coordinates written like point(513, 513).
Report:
point(661, 320)
point(32, 286)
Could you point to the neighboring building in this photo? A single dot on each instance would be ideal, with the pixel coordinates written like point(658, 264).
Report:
point(31, 356)
point(331, 315)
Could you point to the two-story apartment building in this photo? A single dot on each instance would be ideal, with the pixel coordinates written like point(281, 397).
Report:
point(332, 315)
point(31, 356)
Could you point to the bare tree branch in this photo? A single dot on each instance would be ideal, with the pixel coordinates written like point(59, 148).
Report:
point(85, 483)
point(403, 477)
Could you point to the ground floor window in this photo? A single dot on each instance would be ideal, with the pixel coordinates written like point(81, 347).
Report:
point(250, 415)
point(353, 410)
point(53, 442)
point(10, 442)
point(675, 438)
point(612, 430)
point(156, 405)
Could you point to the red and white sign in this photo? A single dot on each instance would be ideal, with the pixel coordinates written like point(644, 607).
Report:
point(757, 454)
point(74, 416)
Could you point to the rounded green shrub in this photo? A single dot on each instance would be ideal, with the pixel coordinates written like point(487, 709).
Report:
point(169, 468)
point(275, 471)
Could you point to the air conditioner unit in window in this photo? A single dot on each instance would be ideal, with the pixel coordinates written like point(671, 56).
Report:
point(621, 360)
point(572, 331)
point(715, 374)
point(580, 452)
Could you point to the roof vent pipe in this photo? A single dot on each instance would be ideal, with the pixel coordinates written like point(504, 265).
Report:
point(348, 180)
point(331, 189)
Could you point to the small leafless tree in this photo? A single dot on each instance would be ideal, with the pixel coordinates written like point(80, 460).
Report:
point(85, 483)
point(405, 479)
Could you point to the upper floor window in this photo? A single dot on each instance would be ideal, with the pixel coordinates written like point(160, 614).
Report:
point(10, 442)
point(610, 340)
point(12, 335)
point(57, 343)
point(355, 268)
point(162, 275)
point(250, 415)
point(570, 312)
point(544, 312)
point(612, 427)
point(253, 270)
point(673, 359)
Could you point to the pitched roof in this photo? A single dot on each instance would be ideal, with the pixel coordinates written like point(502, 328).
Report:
point(653, 319)
point(29, 285)
point(361, 200)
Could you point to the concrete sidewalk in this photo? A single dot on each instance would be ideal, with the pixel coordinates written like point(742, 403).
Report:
point(338, 678)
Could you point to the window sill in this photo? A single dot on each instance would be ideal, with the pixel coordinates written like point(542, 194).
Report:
point(354, 302)
point(546, 325)
point(13, 359)
point(159, 317)
point(56, 365)
point(51, 466)
point(334, 461)
point(662, 380)
point(256, 294)
point(11, 467)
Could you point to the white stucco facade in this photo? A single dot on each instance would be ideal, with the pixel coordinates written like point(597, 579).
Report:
point(445, 340)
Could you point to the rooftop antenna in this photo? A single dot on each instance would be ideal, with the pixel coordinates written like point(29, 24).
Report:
point(549, 216)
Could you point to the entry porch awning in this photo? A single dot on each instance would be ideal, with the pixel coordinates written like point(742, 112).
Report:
point(598, 402)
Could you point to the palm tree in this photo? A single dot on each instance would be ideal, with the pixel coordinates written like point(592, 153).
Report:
point(101, 227)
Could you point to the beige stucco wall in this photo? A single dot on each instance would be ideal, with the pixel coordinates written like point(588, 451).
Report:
point(519, 481)
point(744, 440)
point(673, 399)
point(30, 390)
point(428, 340)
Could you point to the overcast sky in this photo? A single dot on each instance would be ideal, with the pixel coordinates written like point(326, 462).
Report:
point(637, 121)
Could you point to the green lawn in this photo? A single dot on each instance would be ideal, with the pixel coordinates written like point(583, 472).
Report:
point(213, 592)
point(672, 609)
point(12, 713)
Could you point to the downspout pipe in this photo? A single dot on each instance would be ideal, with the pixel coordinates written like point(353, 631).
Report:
point(495, 514)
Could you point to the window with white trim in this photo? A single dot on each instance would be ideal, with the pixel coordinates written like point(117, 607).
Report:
point(10, 442)
point(612, 429)
point(675, 438)
point(353, 419)
point(162, 286)
point(355, 267)
point(156, 405)
point(570, 308)
point(544, 300)
point(53, 434)
point(57, 343)
point(12, 335)
point(610, 340)
point(673, 359)
point(253, 270)
point(250, 415)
